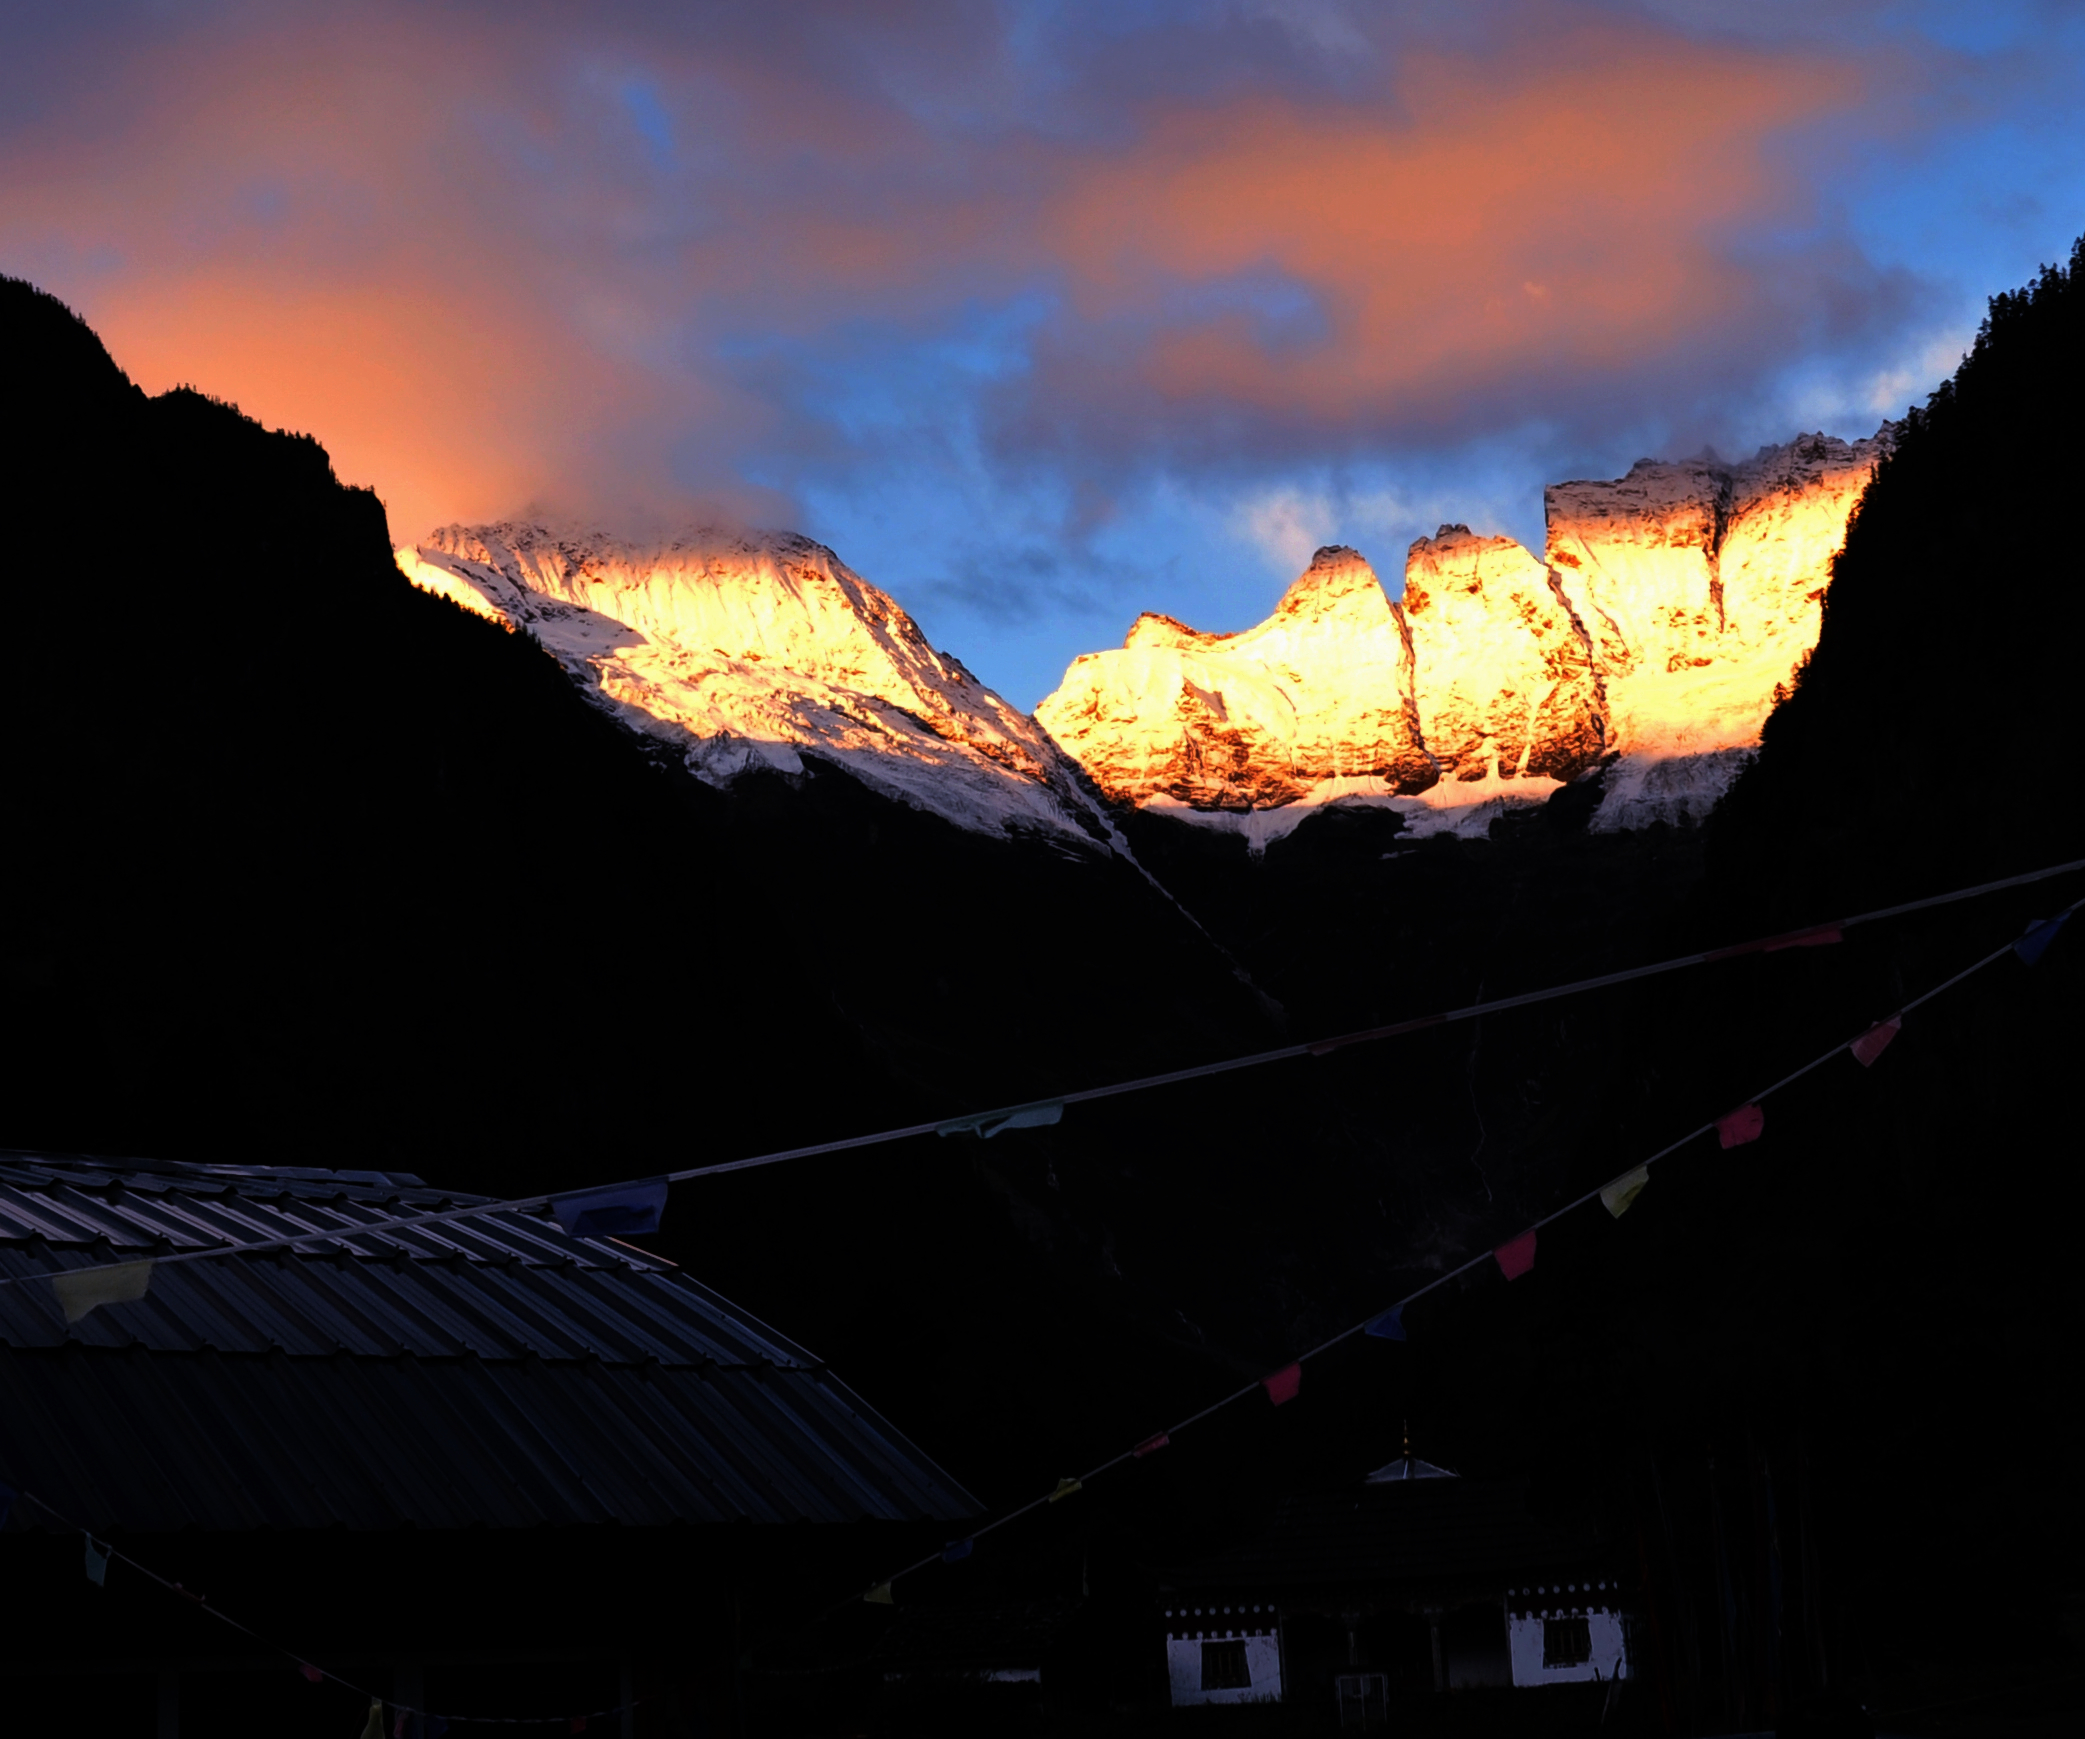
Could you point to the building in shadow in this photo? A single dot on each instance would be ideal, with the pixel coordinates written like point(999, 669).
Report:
point(488, 1467)
point(1368, 1603)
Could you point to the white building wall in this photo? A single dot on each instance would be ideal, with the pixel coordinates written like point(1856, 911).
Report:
point(1184, 1669)
point(1610, 1658)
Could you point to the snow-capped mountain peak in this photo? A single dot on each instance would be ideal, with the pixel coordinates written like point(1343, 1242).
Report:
point(1668, 612)
point(1671, 608)
point(749, 653)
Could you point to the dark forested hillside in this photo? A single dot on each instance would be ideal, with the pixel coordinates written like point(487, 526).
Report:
point(1927, 737)
point(305, 866)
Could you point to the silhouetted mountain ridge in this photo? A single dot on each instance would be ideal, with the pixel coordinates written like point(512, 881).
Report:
point(309, 866)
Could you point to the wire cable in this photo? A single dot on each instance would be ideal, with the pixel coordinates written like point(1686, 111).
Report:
point(1829, 931)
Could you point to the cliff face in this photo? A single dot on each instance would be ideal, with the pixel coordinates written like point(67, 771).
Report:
point(1673, 611)
point(1701, 587)
point(1318, 694)
point(1675, 607)
point(747, 655)
point(1505, 674)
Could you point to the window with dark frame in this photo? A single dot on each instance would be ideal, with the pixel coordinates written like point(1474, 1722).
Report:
point(1566, 1642)
point(1224, 1668)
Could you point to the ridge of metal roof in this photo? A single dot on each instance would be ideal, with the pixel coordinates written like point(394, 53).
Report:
point(124, 1166)
point(504, 1286)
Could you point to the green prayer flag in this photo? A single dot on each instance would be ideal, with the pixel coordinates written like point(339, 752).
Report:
point(1617, 1197)
point(82, 1293)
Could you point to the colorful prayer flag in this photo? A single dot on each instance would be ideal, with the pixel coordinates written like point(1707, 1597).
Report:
point(1619, 1196)
point(81, 1293)
point(956, 1551)
point(1872, 1043)
point(2040, 934)
point(1065, 1487)
point(98, 1565)
point(1282, 1386)
point(1735, 1128)
point(614, 1212)
point(989, 1123)
point(1390, 1325)
point(1150, 1446)
point(1516, 1258)
point(879, 1595)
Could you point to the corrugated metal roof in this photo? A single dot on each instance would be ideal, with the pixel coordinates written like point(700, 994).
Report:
point(493, 1372)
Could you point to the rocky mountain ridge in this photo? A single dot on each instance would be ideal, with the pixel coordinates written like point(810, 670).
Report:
point(1674, 608)
point(747, 654)
point(1671, 609)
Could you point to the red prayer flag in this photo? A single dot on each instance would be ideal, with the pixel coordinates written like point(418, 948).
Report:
point(1150, 1446)
point(1735, 1128)
point(310, 1672)
point(1282, 1386)
point(1516, 1258)
point(1808, 939)
point(1872, 1043)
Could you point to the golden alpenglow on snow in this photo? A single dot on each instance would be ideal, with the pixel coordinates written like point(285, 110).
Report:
point(1317, 696)
point(1702, 587)
point(1676, 605)
point(751, 654)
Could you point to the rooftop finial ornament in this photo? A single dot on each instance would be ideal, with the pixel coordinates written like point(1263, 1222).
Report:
point(1406, 1467)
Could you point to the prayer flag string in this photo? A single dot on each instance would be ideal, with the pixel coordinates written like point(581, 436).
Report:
point(118, 1282)
point(1517, 1256)
point(100, 1555)
point(611, 1199)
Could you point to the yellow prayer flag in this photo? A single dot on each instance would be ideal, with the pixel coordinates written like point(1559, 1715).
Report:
point(1617, 1196)
point(79, 1294)
point(373, 1728)
point(1065, 1487)
point(880, 1595)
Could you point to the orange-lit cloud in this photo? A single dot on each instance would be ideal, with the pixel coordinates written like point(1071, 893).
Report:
point(499, 256)
point(1478, 228)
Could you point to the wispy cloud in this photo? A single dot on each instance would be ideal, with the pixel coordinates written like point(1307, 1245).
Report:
point(991, 279)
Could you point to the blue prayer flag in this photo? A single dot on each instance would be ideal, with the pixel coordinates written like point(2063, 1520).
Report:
point(956, 1551)
point(1390, 1325)
point(97, 1561)
point(2032, 946)
point(612, 1212)
point(989, 1123)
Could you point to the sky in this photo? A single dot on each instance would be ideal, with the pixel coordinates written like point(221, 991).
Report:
point(1041, 315)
